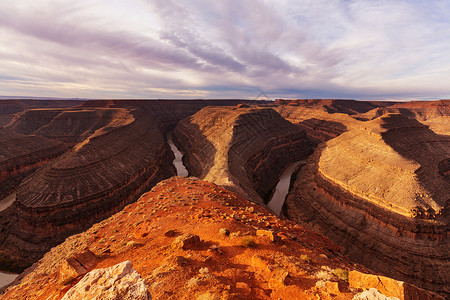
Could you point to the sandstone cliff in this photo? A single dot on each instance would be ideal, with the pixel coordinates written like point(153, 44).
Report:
point(98, 177)
point(20, 155)
point(380, 191)
point(243, 148)
point(190, 239)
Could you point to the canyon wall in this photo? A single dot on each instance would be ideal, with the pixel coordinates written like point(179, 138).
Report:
point(21, 154)
point(243, 148)
point(96, 178)
point(379, 191)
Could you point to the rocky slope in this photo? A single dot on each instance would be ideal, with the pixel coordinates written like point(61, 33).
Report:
point(20, 155)
point(244, 148)
point(381, 192)
point(99, 176)
point(190, 239)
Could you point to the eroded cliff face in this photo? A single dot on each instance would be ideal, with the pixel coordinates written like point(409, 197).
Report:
point(21, 154)
point(378, 191)
point(98, 177)
point(243, 148)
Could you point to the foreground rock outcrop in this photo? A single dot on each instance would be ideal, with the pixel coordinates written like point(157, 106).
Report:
point(226, 258)
point(378, 191)
point(243, 148)
point(98, 177)
point(120, 282)
point(21, 154)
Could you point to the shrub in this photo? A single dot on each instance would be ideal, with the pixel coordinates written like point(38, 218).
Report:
point(248, 241)
point(341, 274)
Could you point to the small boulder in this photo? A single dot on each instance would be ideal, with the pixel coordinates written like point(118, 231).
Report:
point(269, 233)
point(186, 241)
point(117, 282)
point(76, 265)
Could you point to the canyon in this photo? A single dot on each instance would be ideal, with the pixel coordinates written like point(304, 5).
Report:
point(375, 181)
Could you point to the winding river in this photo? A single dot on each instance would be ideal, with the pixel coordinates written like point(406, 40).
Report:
point(7, 278)
point(282, 188)
point(7, 201)
point(178, 161)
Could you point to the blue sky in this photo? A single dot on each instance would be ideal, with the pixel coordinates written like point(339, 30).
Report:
point(225, 49)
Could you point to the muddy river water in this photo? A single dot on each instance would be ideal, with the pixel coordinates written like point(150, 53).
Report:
point(282, 188)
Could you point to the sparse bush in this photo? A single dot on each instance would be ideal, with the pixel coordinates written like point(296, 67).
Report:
point(305, 258)
point(248, 241)
point(224, 231)
point(323, 275)
point(341, 274)
point(131, 244)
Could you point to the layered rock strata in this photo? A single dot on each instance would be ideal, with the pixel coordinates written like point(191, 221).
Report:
point(97, 178)
point(9, 107)
point(378, 192)
point(69, 125)
point(20, 155)
point(243, 148)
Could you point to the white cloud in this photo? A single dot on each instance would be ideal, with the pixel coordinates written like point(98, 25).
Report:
point(229, 48)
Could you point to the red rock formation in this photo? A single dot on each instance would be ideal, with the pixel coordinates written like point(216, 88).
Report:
point(242, 148)
point(97, 178)
point(377, 192)
point(298, 264)
point(20, 155)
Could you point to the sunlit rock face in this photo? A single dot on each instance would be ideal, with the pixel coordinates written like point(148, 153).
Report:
point(244, 148)
point(96, 178)
point(380, 191)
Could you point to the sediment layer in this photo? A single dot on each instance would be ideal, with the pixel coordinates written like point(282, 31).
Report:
point(21, 154)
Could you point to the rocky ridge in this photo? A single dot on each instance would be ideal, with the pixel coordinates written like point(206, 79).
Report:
point(191, 239)
point(237, 146)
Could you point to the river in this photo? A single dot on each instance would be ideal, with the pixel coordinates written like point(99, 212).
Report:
point(7, 201)
point(7, 278)
point(178, 161)
point(282, 188)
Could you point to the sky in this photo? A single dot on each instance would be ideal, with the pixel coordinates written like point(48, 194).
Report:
point(361, 49)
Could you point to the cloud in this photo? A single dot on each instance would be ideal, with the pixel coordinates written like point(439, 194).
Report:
point(228, 48)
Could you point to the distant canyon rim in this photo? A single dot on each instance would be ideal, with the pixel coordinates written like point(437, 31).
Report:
point(374, 177)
